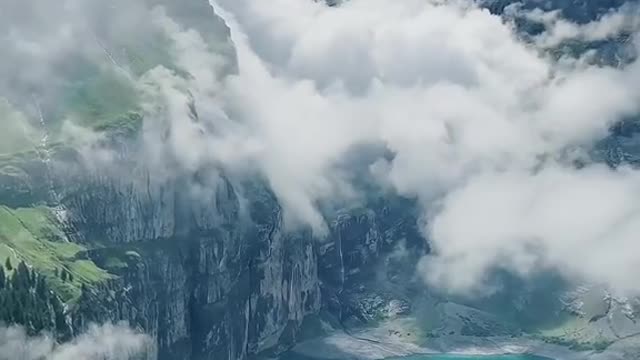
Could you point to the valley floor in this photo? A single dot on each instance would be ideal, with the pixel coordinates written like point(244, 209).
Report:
point(385, 341)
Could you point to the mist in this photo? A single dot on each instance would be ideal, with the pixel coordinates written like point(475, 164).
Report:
point(485, 126)
point(108, 342)
point(485, 129)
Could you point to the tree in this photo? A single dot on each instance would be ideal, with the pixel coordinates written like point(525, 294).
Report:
point(7, 264)
point(2, 278)
point(70, 277)
point(64, 275)
point(60, 322)
point(24, 275)
point(26, 299)
point(41, 288)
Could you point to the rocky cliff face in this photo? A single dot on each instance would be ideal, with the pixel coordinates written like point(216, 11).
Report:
point(201, 263)
point(207, 267)
point(208, 277)
point(217, 277)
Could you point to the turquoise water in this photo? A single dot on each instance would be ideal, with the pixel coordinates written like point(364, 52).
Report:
point(473, 357)
point(444, 357)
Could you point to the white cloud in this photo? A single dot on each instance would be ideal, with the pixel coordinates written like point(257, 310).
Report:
point(108, 342)
point(580, 222)
point(558, 29)
point(469, 111)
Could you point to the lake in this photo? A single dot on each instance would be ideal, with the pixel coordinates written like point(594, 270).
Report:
point(472, 357)
point(440, 357)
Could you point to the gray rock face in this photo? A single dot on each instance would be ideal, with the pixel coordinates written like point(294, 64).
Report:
point(213, 274)
point(208, 280)
point(205, 267)
point(218, 277)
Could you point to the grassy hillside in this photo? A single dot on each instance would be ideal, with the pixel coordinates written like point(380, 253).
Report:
point(32, 235)
point(100, 99)
point(98, 92)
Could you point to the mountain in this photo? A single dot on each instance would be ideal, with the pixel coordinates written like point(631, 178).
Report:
point(207, 275)
point(95, 227)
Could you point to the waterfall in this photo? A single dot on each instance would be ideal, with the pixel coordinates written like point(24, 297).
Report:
point(341, 256)
point(44, 153)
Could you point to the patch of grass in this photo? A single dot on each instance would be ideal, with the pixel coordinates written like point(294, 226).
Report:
point(101, 99)
point(578, 345)
point(575, 333)
point(32, 235)
point(571, 326)
point(88, 271)
point(22, 176)
point(115, 259)
point(39, 223)
point(18, 159)
point(115, 263)
point(126, 124)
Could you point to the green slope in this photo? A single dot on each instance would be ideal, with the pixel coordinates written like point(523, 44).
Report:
point(33, 235)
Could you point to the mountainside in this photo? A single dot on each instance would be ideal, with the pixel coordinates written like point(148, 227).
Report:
point(97, 226)
point(208, 273)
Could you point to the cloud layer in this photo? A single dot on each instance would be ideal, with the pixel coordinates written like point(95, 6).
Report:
point(484, 127)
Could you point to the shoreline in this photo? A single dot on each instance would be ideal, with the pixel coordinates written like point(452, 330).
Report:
point(341, 346)
point(402, 337)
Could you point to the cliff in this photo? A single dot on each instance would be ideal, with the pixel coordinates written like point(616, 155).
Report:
point(199, 259)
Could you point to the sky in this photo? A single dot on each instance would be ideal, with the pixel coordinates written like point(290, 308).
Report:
point(485, 126)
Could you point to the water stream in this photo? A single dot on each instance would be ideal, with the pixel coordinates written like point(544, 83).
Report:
point(44, 153)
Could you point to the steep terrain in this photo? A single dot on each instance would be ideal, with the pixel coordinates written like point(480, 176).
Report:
point(201, 259)
point(208, 274)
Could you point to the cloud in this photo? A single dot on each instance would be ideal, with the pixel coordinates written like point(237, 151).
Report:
point(109, 342)
point(18, 132)
point(43, 40)
point(468, 110)
point(578, 222)
point(480, 124)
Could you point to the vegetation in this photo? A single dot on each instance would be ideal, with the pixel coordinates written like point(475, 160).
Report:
point(25, 298)
point(103, 101)
point(98, 98)
point(32, 235)
point(126, 124)
point(574, 344)
point(42, 273)
point(570, 334)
